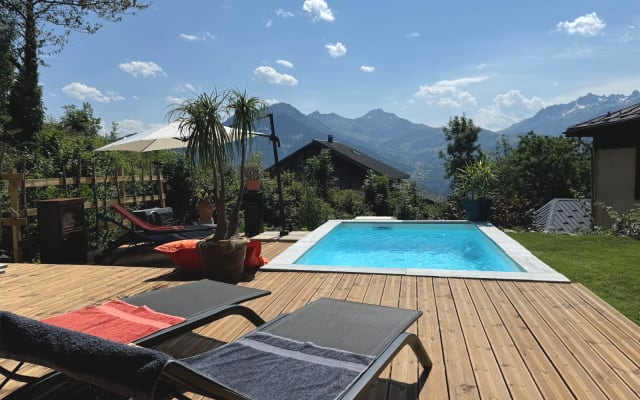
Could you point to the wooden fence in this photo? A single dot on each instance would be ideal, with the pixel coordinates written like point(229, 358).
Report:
point(19, 213)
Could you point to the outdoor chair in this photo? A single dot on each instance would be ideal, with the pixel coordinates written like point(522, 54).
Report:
point(198, 303)
point(328, 349)
point(144, 234)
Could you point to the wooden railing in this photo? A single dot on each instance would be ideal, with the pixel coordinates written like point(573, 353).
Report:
point(19, 213)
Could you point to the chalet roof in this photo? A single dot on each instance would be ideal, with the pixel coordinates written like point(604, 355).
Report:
point(354, 156)
point(625, 116)
point(563, 216)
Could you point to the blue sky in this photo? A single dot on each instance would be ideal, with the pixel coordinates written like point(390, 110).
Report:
point(496, 61)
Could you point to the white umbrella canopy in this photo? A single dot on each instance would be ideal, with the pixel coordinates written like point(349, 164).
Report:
point(165, 138)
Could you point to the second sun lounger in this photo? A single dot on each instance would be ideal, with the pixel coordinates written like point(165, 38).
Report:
point(329, 349)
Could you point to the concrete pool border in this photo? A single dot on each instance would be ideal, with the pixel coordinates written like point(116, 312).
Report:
point(534, 268)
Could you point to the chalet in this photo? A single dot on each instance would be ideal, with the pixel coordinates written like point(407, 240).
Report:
point(350, 165)
point(615, 159)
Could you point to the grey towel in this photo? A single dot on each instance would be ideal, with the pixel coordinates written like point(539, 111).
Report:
point(265, 366)
point(126, 370)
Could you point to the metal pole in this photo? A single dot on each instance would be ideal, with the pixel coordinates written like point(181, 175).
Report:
point(275, 142)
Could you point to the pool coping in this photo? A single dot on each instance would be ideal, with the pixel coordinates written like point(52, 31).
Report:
point(535, 269)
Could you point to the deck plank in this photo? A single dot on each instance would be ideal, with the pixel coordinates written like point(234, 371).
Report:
point(486, 338)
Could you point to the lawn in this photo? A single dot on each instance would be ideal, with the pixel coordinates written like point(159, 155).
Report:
point(609, 266)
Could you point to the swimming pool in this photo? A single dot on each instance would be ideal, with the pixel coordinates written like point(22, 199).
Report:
point(429, 248)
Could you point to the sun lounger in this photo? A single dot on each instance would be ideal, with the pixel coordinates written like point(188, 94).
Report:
point(327, 349)
point(199, 303)
point(142, 233)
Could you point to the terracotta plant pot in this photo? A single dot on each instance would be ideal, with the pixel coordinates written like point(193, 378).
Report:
point(223, 260)
point(205, 213)
point(253, 185)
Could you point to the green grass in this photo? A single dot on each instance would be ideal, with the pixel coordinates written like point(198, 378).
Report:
point(608, 265)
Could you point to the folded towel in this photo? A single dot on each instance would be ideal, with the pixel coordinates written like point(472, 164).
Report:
point(126, 370)
point(265, 366)
point(115, 320)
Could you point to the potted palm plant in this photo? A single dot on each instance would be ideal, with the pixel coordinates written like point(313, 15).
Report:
point(473, 184)
point(209, 144)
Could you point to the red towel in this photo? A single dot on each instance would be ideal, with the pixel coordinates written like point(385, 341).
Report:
point(115, 320)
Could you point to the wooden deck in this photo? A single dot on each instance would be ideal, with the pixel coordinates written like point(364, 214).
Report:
point(487, 339)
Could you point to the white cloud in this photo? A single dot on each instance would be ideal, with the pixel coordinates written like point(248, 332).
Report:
point(174, 100)
point(319, 10)
point(83, 92)
point(283, 13)
point(449, 92)
point(272, 76)
point(507, 109)
point(413, 35)
point(268, 23)
point(586, 25)
point(128, 126)
point(193, 38)
point(271, 102)
point(142, 68)
point(186, 87)
point(285, 63)
point(367, 68)
point(336, 49)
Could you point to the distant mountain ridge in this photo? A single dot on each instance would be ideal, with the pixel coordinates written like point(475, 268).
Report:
point(411, 147)
point(555, 119)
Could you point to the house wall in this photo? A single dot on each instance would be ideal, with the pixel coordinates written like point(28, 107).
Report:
point(614, 181)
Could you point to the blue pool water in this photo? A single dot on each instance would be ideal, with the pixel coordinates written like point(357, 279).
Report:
point(448, 246)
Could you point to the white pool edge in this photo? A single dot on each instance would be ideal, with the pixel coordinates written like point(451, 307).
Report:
point(535, 269)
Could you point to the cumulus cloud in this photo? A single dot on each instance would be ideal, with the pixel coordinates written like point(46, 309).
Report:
point(80, 91)
point(285, 63)
point(272, 76)
point(586, 25)
point(449, 93)
point(367, 68)
point(142, 68)
point(283, 13)
point(413, 35)
point(336, 49)
point(318, 10)
point(507, 109)
point(128, 126)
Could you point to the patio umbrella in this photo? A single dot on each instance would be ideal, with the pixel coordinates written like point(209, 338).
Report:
point(165, 138)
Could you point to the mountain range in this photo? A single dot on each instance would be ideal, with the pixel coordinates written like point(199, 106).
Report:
point(413, 147)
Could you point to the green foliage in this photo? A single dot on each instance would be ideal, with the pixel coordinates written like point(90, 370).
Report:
point(312, 211)
point(347, 204)
point(542, 168)
point(624, 223)
point(607, 265)
point(42, 23)
point(462, 148)
point(377, 193)
point(407, 202)
point(318, 171)
point(476, 180)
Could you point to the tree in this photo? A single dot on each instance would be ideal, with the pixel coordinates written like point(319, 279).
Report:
point(41, 24)
point(207, 144)
point(7, 70)
point(319, 172)
point(80, 121)
point(246, 111)
point(462, 147)
point(542, 168)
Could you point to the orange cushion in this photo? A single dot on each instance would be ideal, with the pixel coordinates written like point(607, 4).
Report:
point(253, 259)
point(184, 253)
